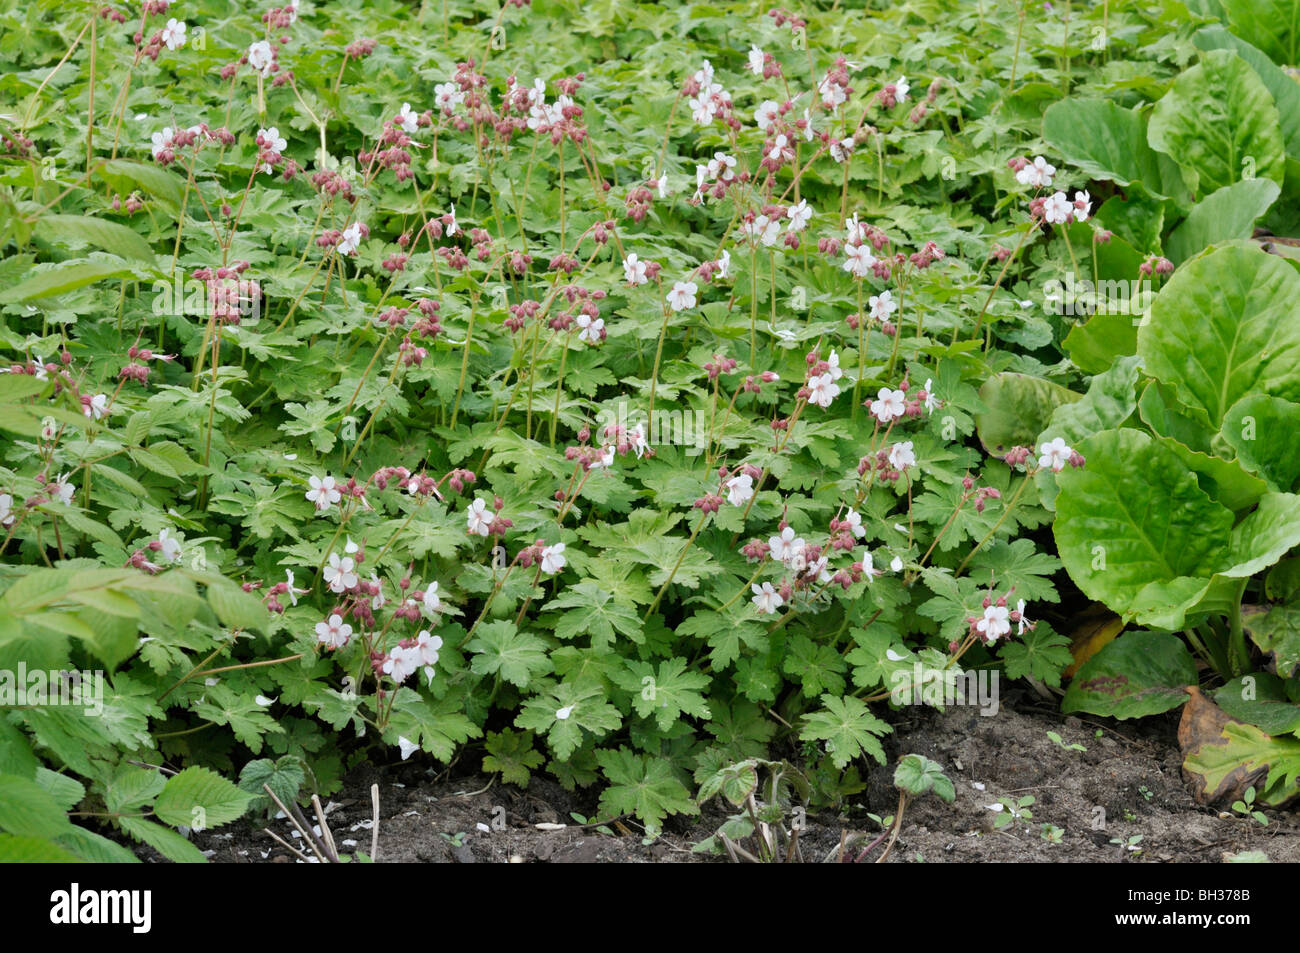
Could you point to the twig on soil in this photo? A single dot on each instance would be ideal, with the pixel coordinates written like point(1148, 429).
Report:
point(297, 820)
point(326, 833)
point(287, 846)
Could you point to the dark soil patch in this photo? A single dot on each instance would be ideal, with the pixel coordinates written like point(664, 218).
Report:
point(1128, 779)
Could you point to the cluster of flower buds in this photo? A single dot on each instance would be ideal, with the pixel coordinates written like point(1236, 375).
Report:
point(626, 440)
point(927, 256)
point(279, 18)
point(230, 297)
point(637, 204)
point(1155, 265)
point(783, 17)
point(709, 503)
point(981, 495)
point(719, 365)
point(137, 369)
point(332, 184)
point(520, 313)
point(359, 49)
point(273, 594)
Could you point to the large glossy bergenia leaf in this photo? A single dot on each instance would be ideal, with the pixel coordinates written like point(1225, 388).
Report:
point(1227, 325)
point(1220, 124)
point(1136, 530)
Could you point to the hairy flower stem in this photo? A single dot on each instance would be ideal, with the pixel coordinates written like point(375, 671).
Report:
point(659, 353)
point(1006, 511)
point(704, 518)
point(464, 363)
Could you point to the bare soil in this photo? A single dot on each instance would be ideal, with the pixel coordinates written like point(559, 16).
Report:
point(1126, 783)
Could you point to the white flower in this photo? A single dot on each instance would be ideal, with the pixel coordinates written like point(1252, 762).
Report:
point(778, 146)
point(894, 656)
point(833, 366)
point(663, 185)
point(799, 215)
point(553, 559)
point(896, 564)
point(407, 119)
point(996, 623)
point(401, 663)
point(1037, 173)
point(869, 568)
point(161, 142)
point(703, 109)
point(173, 34)
point(787, 547)
point(636, 436)
point(740, 489)
point(272, 139)
point(340, 574)
point(453, 226)
point(448, 96)
point(292, 592)
point(882, 305)
point(292, 9)
point(854, 521)
point(427, 646)
point(817, 569)
point(832, 94)
point(767, 113)
point(323, 492)
point(901, 456)
point(634, 270)
point(901, 89)
point(931, 401)
point(841, 149)
point(822, 389)
point(722, 167)
point(6, 510)
point(478, 519)
point(858, 261)
point(377, 600)
point(1055, 454)
point(334, 632)
point(62, 489)
point(562, 714)
point(273, 142)
point(98, 406)
point(1057, 210)
point(1022, 622)
point(755, 62)
point(606, 459)
point(260, 57)
point(724, 263)
point(888, 405)
point(590, 330)
point(432, 603)
point(766, 599)
point(682, 296)
point(351, 239)
point(169, 546)
point(1082, 202)
point(854, 231)
point(408, 748)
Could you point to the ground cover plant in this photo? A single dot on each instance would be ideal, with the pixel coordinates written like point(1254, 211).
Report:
point(650, 397)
